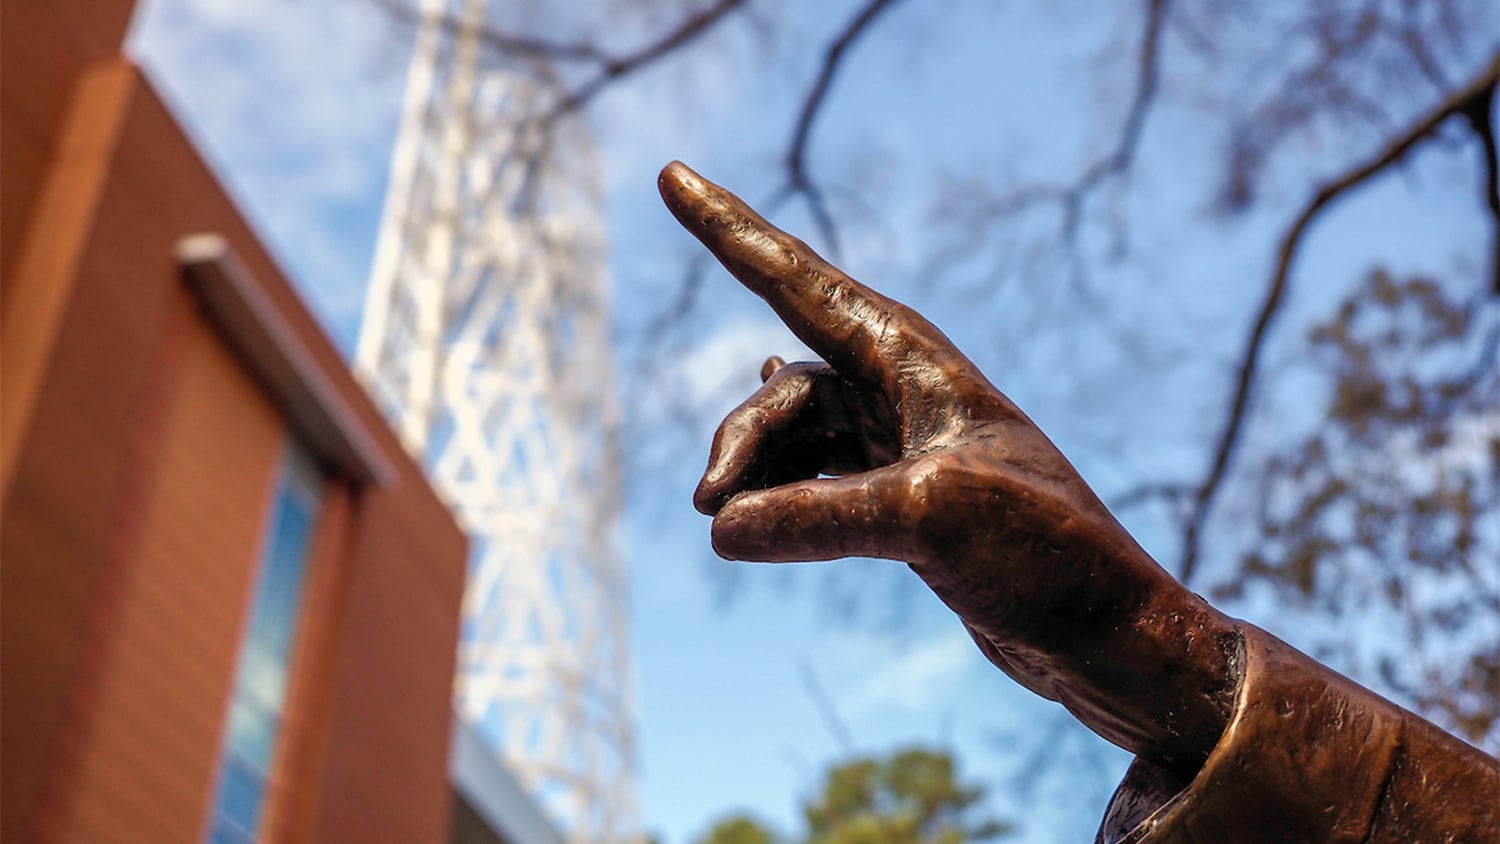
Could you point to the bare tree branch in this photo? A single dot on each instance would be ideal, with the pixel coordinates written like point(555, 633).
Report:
point(610, 67)
point(1118, 160)
point(618, 68)
point(1070, 198)
point(525, 46)
point(1458, 103)
point(798, 181)
point(1171, 492)
point(830, 713)
point(1480, 112)
point(658, 333)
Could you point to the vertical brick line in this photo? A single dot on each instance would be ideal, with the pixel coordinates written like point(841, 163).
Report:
point(50, 251)
point(145, 444)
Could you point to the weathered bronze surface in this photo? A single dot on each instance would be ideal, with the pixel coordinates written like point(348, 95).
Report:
point(1238, 736)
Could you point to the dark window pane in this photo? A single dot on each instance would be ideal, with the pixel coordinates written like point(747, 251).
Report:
point(261, 680)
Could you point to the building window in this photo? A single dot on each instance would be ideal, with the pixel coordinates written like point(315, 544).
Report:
point(260, 685)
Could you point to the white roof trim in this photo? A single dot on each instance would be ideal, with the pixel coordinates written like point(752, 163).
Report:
point(271, 349)
point(494, 792)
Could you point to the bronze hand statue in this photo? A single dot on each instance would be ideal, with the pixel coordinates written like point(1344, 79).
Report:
point(939, 469)
point(899, 447)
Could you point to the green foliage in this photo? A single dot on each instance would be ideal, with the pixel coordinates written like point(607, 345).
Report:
point(913, 796)
point(739, 829)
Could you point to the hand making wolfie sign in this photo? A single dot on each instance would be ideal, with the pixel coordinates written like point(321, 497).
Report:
point(895, 445)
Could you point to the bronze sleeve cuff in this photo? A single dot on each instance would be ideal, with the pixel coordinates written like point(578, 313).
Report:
point(1309, 755)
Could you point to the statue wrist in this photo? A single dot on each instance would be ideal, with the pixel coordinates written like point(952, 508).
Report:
point(1132, 653)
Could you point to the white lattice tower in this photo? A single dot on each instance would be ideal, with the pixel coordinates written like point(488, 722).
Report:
point(486, 339)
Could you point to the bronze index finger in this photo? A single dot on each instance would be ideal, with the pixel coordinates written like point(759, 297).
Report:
point(862, 333)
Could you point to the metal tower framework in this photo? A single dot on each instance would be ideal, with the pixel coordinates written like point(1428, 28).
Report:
point(486, 340)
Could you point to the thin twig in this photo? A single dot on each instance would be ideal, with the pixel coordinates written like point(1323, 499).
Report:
point(659, 329)
point(831, 718)
point(798, 180)
point(615, 69)
point(609, 67)
point(526, 46)
point(1457, 103)
point(1118, 160)
point(1072, 196)
point(1160, 490)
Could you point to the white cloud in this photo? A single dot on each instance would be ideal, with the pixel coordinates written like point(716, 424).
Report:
point(711, 377)
point(917, 680)
point(296, 106)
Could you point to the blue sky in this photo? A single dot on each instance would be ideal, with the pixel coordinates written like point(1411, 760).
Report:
point(296, 105)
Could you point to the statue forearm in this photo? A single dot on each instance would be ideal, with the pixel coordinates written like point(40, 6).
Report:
point(899, 447)
point(1136, 656)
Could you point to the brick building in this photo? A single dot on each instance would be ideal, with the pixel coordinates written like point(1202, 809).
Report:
point(229, 600)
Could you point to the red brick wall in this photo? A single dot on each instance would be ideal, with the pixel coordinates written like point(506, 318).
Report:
point(155, 712)
point(92, 355)
point(400, 607)
point(137, 482)
point(44, 46)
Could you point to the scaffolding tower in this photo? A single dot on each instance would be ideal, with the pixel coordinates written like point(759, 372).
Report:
point(486, 340)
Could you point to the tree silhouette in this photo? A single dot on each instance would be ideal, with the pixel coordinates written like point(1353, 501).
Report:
point(912, 796)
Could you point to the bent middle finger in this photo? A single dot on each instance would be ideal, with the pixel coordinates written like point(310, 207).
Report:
point(739, 446)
